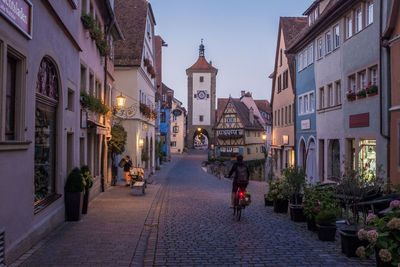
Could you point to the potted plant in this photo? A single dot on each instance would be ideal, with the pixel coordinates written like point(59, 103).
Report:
point(74, 188)
point(351, 96)
point(351, 190)
point(372, 90)
point(361, 93)
point(279, 196)
point(88, 184)
point(295, 178)
point(326, 224)
point(268, 199)
point(384, 238)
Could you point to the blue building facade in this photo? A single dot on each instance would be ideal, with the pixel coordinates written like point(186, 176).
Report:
point(306, 135)
point(165, 128)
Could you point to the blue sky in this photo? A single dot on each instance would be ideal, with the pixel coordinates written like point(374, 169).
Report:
point(239, 35)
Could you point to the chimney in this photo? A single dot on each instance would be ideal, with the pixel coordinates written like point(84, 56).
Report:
point(210, 62)
point(242, 93)
point(251, 116)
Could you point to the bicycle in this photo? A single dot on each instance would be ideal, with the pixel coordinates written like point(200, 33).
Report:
point(239, 203)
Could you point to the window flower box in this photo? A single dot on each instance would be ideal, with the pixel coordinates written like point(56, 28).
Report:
point(361, 93)
point(372, 90)
point(351, 96)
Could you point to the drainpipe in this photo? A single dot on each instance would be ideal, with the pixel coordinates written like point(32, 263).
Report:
point(387, 91)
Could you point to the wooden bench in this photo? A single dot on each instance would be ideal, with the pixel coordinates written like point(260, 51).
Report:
point(139, 186)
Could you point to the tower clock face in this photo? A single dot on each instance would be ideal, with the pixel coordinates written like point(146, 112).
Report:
point(201, 94)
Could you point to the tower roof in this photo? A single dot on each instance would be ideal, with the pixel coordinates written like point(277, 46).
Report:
point(201, 63)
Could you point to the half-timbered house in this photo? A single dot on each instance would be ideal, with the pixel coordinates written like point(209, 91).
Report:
point(238, 131)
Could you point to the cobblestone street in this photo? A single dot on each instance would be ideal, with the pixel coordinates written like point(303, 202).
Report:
point(184, 220)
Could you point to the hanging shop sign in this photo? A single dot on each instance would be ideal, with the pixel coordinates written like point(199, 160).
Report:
point(177, 112)
point(19, 13)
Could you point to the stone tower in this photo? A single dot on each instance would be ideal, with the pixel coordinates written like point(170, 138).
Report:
point(201, 102)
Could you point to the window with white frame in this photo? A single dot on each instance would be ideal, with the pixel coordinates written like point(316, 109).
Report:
point(321, 97)
point(362, 82)
point(311, 53)
point(369, 13)
point(338, 93)
point(305, 104)
point(311, 108)
point(359, 16)
point(320, 48)
point(301, 105)
point(176, 129)
point(373, 78)
point(299, 61)
point(330, 95)
point(328, 42)
point(336, 41)
point(352, 83)
point(230, 119)
point(309, 56)
point(349, 26)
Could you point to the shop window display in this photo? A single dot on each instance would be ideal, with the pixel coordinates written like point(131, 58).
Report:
point(367, 158)
point(45, 131)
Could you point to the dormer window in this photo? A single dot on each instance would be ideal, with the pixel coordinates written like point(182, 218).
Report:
point(316, 13)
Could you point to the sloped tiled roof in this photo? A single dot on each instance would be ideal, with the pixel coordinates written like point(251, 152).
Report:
point(244, 116)
point(263, 105)
point(332, 10)
point(291, 26)
point(221, 104)
point(131, 16)
point(201, 64)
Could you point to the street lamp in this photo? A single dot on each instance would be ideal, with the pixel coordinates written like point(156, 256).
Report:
point(264, 137)
point(141, 142)
point(199, 129)
point(120, 101)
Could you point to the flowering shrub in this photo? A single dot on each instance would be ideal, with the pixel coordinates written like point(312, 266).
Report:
point(385, 236)
point(317, 198)
point(372, 89)
point(278, 190)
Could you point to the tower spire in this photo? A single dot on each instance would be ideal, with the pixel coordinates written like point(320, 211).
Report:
point(201, 49)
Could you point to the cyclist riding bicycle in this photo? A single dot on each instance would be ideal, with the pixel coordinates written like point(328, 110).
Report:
point(241, 178)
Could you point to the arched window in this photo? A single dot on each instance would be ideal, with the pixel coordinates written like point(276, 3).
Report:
point(47, 93)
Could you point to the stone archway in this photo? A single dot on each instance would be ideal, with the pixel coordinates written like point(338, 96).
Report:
point(200, 139)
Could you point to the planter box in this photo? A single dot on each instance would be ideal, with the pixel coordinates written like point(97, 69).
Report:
point(296, 213)
point(280, 206)
point(350, 242)
point(73, 206)
point(326, 233)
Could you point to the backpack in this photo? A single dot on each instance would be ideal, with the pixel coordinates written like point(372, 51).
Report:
point(241, 173)
point(121, 163)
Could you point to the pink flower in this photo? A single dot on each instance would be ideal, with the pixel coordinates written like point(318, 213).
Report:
point(372, 236)
point(370, 217)
point(394, 223)
point(362, 234)
point(395, 204)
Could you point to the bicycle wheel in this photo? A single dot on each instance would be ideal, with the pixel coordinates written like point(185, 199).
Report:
point(238, 212)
